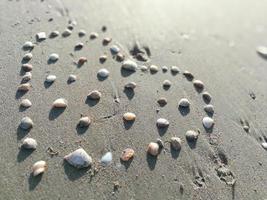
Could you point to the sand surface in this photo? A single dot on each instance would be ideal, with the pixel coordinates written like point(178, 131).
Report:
point(216, 41)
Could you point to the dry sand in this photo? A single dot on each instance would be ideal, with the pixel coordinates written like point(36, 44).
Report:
point(215, 41)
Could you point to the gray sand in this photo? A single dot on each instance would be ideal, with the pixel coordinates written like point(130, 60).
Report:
point(214, 41)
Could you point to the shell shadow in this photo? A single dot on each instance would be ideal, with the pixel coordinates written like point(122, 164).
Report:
point(73, 173)
point(165, 87)
point(198, 89)
point(20, 94)
point(151, 161)
point(101, 78)
point(78, 48)
point(24, 60)
point(47, 84)
point(129, 93)
point(262, 56)
point(209, 114)
point(55, 113)
point(125, 73)
point(91, 102)
point(208, 130)
point(23, 154)
point(189, 78)
point(22, 72)
point(34, 181)
point(49, 61)
point(192, 144)
point(162, 130)
point(128, 124)
point(22, 108)
point(153, 72)
point(184, 110)
point(81, 130)
point(126, 164)
point(207, 101)
point(175, 153)
point(174, 73)
point(21, 133)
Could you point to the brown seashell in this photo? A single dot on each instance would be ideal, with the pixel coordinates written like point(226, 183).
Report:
point(153, 149)
point(129, 116)
point(127, 154)
point(95, 95)
point(26, 67)
point(82, 60)
point(60, 103)
point(24, 87)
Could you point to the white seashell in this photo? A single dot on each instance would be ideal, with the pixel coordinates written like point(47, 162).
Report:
point(82, 33)
point(103, 58)
point(161, 123)
point(167, 83)
point(50, 78)
point(162, 101)
point(95, 95)
point(79, 158)
point(191, 135)
point(29, 143)
point(176, 143)
point(209, 108)
point(184, 103)
point(72, 78)
point(84, 121)
point(153, 149)
point(28, 45)
point(153, 68)
point(26, 123)
point(129, 65)
point(53, 57)
point(129, 116)
point(39, 167)
point(264, 145)
point(79, 45)
point(114, 49)
point(175, 69)
point(93, 35)
point(206, 96)
point(60, 103)
point(208, 122)
point(27, 56)
point(24, 87)
point(41, 36)
point(262, 50)
point(130, 85)
point(54, 34)
point(188, 75)
point(103, 73)
point(144, 68)
point(198, 84)
point(164, 68)
point(26, 67)
point(27, 77)
point(106, 159)
point(66, 33)
point(26, 103)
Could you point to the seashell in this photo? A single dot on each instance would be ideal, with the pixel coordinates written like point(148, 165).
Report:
point(130, 85)
point(106, 40)
point(95, 95)
point(72, 78)
point(188, 75)
point(208, 122)
point(129, 116)
point(153, 68)
point(50, 78)
point(209, 108)
point(167, 83)
point(264, 145)
point(191, 135)
point(103, 73)
point(153, 149)
point(164, 68)
point(28, 45)
point(26, 103)
point(143, 68)
point(198, 84)
point(70, 27)
point(84, 121)
point(53, 57)
point(54, 34)
point(103, 58)
point(39, 167)
point(24, 87)
point(160, 143)
point(176, 143)
point(26, 67)
point(184, 103)
point(29, 143)
point(127, 154)
point(41, 36)
point(82, 60)
point(27, 56)
point(161, 123)
point(175, 70)
point(93, 35)
point(262, 50)
point(206, 96)
point(114, 49)
point(66, 33)
point(120, 57)
point(27, 77)
point(82, 33)
point(60, 103)
point(129, 65)
point(26, 123)
point(106, 159)
point(79, 158)
point(162, 101)
point(79, 45)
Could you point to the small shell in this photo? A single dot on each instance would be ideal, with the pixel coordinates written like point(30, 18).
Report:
point(50, 78)
point(162, 101)
point(209, 108)
point(127, 154)
point(262, 50)
point(41, 36)
point(27, 77)
point(26, 67)
point(153, 149)
point(206, 96)
point(120, 57)
point(208, 122)
point(191, 135)
point(53, 57)
point(144, 68)
point(93, 35)
point(106, 40)
point(82, 33)
point(54, 34)
point(82, 60)
point(60, 103)
point(153, 68)
point(27, 56)
point(28, 45)
point(106, 159)
point(39, 167)
point(130, 85)
point(95, 95)
point(26, 123)
point(24, 87)
point(167, 83)
point(84, 121)
point(114, 49)
point(264, 145)
point(176, 143)
point(129, 65)
point(29, 143)
point(129, 116)
point(26, 103)
point(103, 58)
point(66, 33)
point(188, 75)
point(72, 78)
point(79, 45)
point(164, 68)
point(184, 103)
point(161, 123)
point(198, 84)
point(175, 70)
point(79, 158)
point(103, 73)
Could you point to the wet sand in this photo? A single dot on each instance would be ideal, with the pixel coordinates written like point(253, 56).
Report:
point(215, 41)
